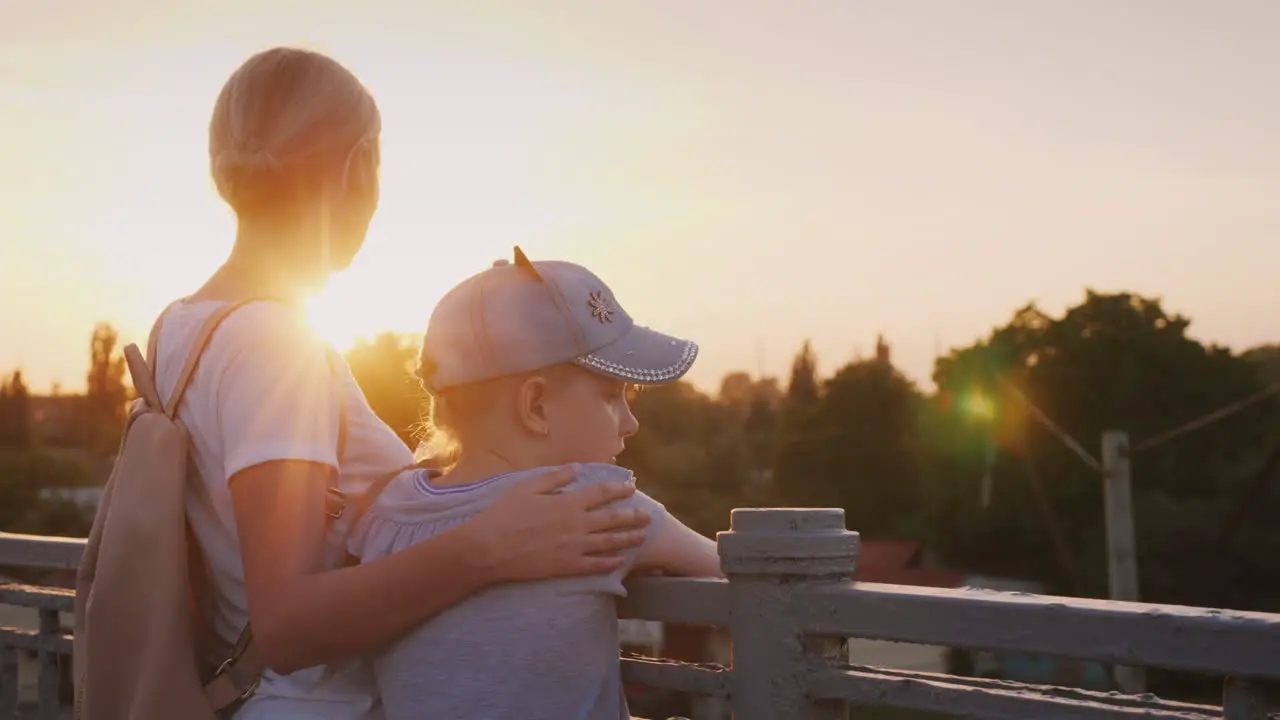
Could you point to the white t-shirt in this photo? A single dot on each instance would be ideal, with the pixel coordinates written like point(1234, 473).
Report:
point(265, 390)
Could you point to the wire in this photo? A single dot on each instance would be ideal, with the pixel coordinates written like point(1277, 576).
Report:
point(1206, 419)
point(1058, 432)
point(1202, 421)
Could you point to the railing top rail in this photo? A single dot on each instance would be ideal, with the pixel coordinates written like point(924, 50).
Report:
point(1006, 599)
point(695, 601)
point(1228, 642)
point(40, 551)
point(37, 597)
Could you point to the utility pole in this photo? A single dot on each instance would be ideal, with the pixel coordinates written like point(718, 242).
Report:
point(1122, 559)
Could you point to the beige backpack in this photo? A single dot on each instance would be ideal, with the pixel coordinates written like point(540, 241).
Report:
point(142, 649)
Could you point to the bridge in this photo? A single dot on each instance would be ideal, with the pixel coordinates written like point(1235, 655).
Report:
point(790, 608)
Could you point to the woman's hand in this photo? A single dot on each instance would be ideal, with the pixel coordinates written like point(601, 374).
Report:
point(532, 532)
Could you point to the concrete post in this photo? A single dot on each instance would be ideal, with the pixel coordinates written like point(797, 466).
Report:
point(49, 680)
point(768, 555)
point(8, 681)
point(1122, 554)
point(1244, 700)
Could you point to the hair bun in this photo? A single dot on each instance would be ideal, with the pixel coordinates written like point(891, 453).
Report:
point(240, 173)
point(254, 159)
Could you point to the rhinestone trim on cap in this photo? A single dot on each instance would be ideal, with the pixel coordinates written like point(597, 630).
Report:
point(638, 375)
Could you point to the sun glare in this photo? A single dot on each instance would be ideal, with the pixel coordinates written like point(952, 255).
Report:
point(338, 322)
point(377, 294)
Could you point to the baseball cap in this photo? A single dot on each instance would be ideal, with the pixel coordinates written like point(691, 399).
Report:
point(519, 316)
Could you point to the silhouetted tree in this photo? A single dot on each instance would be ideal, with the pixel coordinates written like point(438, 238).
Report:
point(1266, 358)
point(870, 413)
point(761, 430)
point(15, 412)
point(859, 449)
point(756, 405)
point(803, 388)
point(736, 388)
point(384, 370)
point(20, 399)
point(796, 465)
point(106, 395)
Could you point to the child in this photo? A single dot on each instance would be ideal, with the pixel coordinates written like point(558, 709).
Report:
point(527, 365)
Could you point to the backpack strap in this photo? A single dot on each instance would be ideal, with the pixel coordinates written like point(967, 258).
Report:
point(361, 503)
point(197, 350)
point(142, 369)
point(335, 499)
point(141, 375)
point(153, 340)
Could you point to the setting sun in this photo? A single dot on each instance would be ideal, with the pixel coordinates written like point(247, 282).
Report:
point(338, 322)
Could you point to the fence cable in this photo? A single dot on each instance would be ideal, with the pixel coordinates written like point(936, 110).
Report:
point(1206, 419)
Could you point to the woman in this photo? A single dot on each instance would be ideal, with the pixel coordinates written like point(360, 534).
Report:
point(293, 145)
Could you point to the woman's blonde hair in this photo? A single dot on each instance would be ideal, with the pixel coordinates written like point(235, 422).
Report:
point(283, 115)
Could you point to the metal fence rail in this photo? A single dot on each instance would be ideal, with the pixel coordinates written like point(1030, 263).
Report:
point(789, 607)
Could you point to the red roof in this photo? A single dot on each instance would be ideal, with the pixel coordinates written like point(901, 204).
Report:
point(887, 554)
point(895, 562)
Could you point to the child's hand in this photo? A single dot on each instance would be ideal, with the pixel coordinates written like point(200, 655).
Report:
point(534, 532)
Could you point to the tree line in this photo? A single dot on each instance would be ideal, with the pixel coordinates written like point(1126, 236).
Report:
point(969, 469)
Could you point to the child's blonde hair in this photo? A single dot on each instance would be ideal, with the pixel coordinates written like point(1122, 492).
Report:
point(445, 415)
point(287, 113)
point(438, 441)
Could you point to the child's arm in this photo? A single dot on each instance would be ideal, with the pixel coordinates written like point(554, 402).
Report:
point(674, 549)
point(670, 547)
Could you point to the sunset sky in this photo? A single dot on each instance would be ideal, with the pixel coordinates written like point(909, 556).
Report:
point(748, 174)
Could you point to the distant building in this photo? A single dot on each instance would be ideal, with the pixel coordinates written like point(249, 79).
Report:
point(88, 498)
point(903, 562)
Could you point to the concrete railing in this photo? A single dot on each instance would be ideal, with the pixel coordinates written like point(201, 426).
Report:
point(789, 608)
point(44, 637)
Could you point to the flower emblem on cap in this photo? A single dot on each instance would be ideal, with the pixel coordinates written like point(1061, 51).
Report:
point(601, 309)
